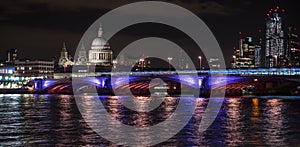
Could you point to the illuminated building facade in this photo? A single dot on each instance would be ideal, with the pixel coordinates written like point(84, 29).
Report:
point(257, 56)
point(214, 63)
point(275, 52)
point(245, 54)
point(8, 80)
point(143, 64)
point(65, 59)
point(12, 55)
point(293, 50)
point(34, 69)
point(100, 52)
point(82, 58)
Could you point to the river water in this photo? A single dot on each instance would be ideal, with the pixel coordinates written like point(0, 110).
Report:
point(51, 120)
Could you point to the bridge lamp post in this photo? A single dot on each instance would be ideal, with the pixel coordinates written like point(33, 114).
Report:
point(115, 64)
point(200, 62)
point(234, 61)
point(276, 60)
point(142, 63)
point(88, 66)
point(169, 59)
point(65, 67)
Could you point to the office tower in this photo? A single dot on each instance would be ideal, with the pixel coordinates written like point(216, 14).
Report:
point(293, 50)
point(257, 56)
point(12, 55)
point(274, 38)
point(244, 55)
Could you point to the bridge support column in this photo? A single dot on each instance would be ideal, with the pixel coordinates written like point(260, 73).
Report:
point(38, 85)
point(205, 86)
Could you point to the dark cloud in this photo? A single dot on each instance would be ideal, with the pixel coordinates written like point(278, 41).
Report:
point(9, 8)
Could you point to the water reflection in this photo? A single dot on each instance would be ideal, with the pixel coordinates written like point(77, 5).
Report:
point(274, 128)
point(11, 120)
point(255, 132)
point(54, 120)
point(233, 122)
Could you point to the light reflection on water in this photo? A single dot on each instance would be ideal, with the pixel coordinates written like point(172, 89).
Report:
point(55, 120)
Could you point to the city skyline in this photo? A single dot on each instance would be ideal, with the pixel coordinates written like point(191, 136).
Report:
point(72, 74)
point(45, 45)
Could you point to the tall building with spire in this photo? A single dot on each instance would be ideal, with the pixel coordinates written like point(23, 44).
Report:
point(82, 58)
point(275, 52)
point(64, 59)
point(100, 52)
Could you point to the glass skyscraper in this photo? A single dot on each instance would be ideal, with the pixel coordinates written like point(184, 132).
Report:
point(293, 50)
point(245, 55)
point(274, 38)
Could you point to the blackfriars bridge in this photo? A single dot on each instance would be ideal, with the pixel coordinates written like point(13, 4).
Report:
point(234, 81)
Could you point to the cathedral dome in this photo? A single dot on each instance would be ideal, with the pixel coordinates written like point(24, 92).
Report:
point(100, 52)
point(99, 42)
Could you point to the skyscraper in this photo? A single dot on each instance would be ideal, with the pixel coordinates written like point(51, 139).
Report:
point(257, 56)
point(274, 38)
point(293, 50)
point(12, 55)
point(244, 56)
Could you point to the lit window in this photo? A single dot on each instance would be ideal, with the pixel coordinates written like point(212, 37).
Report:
point(30, 68)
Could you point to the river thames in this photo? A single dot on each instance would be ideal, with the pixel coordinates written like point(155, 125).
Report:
point(54, 120)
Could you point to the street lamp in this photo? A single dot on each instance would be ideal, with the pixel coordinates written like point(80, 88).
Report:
point(142, 62)
point(234, 61)
point(65, 67)
point(115, 64)
point(88, 67)
point(200, 62)
point(169, 59)
point(276, 60)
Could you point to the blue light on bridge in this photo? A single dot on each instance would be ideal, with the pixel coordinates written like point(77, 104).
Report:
point(103, 82)
point(200, 82)
point(47, 83)
point(93, 80)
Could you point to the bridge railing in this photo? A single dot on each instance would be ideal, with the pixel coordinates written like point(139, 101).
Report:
point(239, 72)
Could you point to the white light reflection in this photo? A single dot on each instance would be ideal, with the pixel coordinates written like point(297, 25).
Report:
point(274, 125)
point(233, 122)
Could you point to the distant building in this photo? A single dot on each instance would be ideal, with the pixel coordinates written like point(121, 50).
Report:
point(143, 64)
point(97, 59)
point(214, 63)
point(12, 55)
point(65, 59)
point(100, 53)
point(293, 50)
point(257, 56)
point(275, 52)
point(127, 60)
point(34, 69)
point(245, 54)
point(82, 58)
point(8, 80)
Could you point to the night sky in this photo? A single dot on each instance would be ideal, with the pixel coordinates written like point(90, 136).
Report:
point(38, 28)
